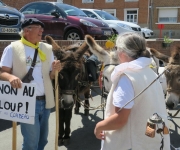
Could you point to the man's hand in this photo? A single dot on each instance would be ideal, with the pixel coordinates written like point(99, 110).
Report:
point(6, 75)
point(56, 66)
point(15, 82)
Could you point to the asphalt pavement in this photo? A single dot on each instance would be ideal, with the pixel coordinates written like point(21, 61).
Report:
point(82, 136)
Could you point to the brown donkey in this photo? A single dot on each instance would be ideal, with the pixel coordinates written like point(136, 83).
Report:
point(73, 81)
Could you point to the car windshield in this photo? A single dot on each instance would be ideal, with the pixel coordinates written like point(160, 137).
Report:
point(2, 4)
point(104, 15)
point(71, 11)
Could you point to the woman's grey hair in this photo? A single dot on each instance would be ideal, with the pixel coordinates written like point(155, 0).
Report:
point(133, 44)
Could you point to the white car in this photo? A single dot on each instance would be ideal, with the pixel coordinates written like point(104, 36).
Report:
point(117, 25)
point(147, 33)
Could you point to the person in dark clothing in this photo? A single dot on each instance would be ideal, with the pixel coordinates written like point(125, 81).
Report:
point(92, 67)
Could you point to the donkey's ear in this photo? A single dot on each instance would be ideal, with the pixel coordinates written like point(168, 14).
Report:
point(81, 50)
point(55, 47)
point(50, 41)
point(96, 49)
point(159, 55)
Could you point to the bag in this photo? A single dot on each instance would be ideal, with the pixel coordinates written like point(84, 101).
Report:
point(92, 68)
point(28, 77)
point(150, 130)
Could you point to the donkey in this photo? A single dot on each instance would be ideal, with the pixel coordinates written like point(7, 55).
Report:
point(110, 60)
point(172, 73)
point(72, 80)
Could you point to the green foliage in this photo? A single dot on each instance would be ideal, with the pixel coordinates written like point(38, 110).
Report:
point(167, 40)
point(113, 38)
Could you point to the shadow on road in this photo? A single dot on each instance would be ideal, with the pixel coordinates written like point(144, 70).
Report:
point(174, 135)
point(83, 138)
point(5, 124)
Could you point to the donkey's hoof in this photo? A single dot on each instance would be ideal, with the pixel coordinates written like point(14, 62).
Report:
point(60, 142)
point(76, 111)
point(86, 112)
point(66, 142)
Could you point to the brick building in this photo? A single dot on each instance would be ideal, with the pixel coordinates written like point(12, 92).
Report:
point(146, 13)
point(166, 13)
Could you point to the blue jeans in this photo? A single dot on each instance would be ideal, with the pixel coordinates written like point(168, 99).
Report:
point(35, 135)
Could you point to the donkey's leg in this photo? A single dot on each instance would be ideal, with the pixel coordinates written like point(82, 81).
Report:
point(61, 126)
point(77, 105)
point(86, 102)
point(68, 117)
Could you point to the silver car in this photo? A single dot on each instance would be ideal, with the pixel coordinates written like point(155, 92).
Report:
point(117, 25)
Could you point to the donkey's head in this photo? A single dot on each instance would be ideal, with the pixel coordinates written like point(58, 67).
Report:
point(72, 64)
point(172, 74)
point(109, 59)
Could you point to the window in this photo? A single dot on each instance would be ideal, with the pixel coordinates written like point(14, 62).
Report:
point(168, 15)
point(109, 1)
point(45, 9)
point(131, 15)
point(131, 0)
point(87, 1)
point(90, 14)
point(111, 11)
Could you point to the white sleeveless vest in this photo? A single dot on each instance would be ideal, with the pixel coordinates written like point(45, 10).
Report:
point(19, 68)
point(132, 135)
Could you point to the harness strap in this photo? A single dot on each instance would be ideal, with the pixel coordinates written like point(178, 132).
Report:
point(110, 65)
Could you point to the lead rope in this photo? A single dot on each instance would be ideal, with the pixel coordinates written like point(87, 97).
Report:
point(142, 90)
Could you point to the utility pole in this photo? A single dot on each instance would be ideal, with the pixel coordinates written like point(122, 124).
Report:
point(151, 14)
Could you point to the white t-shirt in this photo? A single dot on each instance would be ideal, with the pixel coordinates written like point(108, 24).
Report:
point(123, 93)
point(7, 60)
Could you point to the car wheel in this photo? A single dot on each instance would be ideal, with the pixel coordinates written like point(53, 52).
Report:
point(73, 35)
point(144, 35)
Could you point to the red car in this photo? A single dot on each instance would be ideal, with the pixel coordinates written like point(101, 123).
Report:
point(66, 22)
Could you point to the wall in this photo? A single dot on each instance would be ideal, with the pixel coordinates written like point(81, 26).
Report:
point(150, 43)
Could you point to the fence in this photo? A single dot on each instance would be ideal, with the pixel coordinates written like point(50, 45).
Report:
point(157, 44)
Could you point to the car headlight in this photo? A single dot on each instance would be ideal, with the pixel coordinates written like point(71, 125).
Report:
point(124, 26)
point(87, 23)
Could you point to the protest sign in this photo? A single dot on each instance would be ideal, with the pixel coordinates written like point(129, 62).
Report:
point(17, 104)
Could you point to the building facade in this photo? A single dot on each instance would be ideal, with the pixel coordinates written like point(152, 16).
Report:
point(166, 13)
point(162, 16)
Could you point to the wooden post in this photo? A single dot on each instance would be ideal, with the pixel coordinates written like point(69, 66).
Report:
point(14, 136)
point(57, 109)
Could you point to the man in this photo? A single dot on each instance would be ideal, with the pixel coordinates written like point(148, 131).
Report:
point(124, 128)
point(15, 63)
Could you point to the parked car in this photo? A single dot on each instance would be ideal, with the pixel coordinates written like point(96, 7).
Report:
point(117, 25)
point(63, 21)
point(147, 33)
point(10, 22)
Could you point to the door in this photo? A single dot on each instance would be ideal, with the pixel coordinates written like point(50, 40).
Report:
point(54, 26)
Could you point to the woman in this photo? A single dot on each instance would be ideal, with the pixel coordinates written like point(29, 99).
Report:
point(125, 129)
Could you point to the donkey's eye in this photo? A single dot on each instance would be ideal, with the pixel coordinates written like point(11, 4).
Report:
point(106, 78)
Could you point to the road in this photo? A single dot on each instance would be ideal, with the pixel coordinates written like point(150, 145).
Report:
point(82, 137)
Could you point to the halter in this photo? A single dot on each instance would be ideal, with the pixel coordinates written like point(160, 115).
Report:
point(104, 91)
